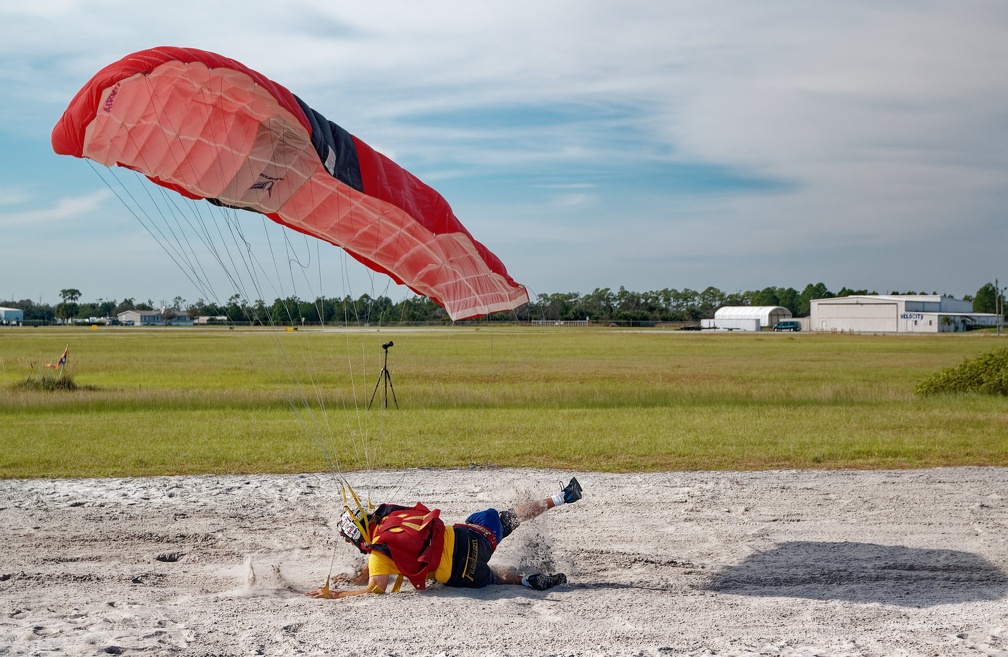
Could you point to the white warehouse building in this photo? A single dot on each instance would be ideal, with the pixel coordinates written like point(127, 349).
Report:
point(11, 315)
point(896, 313)
point(745, 318)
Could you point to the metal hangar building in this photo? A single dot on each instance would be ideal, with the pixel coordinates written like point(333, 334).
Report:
point(745, 318)
point(896, 313)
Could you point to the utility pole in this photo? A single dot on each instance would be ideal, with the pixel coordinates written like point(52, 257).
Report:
point(999, 298)
point(998, 303)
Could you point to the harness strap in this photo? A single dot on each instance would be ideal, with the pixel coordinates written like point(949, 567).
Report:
point(486, 533)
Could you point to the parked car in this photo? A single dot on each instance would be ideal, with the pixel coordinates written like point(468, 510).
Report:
point(788, 325)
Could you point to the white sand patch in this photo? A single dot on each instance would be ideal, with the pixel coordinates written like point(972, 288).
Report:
point(768, 563)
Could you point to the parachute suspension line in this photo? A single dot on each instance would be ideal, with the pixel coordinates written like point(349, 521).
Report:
point(167, 234)
point(136, 209)
point(180, 164)
point(164, 241)
point(182, 257)
point(175, 242)
point(250, 263)
point(360, 431)
point(290, 255)
point(179, 214)
point(353, 313)
point(243, 253)
point(323, 435)
point(359, 434)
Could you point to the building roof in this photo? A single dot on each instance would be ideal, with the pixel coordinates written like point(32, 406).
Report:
point(935, 303)
point(933, 298)
point(762, 313)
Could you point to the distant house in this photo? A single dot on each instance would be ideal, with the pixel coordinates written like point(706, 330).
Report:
point(152, 318)
point(11, 315)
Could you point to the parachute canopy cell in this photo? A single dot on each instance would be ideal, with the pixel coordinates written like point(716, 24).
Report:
point(210, 128)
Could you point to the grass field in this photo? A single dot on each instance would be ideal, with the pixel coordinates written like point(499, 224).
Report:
point(173, 401)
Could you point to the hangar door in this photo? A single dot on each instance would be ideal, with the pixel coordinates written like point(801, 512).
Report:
point(859, 316)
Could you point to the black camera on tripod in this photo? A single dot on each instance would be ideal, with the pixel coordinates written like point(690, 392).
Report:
point(387, 378)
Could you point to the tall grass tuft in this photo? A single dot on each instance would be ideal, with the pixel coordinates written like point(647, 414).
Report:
point(47, 383)
point(985, 374)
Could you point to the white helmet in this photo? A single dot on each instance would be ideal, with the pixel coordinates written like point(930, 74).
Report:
point(350, 524)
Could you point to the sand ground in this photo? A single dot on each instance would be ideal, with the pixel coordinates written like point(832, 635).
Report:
point(762, 563)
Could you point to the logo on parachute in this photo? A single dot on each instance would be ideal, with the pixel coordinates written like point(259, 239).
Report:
point(107, 107)
point(265, 183)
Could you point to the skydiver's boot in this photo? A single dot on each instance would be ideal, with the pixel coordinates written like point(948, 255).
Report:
point(568, 494)
point(541, 582)
point(572, 491)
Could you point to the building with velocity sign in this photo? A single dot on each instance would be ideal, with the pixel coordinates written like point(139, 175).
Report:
point(896, 313)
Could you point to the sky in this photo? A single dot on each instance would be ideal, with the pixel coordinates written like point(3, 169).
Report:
point(589, 144)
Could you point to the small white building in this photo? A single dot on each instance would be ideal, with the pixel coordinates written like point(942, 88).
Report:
point(11, 315)
point(211, 319)
point(152, 318)
point(896, 313)
point(745, 318)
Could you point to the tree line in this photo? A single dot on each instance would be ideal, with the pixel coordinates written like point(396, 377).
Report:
point(603, 305)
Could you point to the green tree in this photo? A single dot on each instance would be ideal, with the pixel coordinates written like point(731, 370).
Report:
point(40, 312)
point(817, 291)
point(418, 309)
point(235, 308)
point(708, 301)
point(557, 306)
point(986, 299)
point(124, 305)
point(789, 298)
point(630, 306)
point(68, 308)
point(599, 305)
point(766, 297)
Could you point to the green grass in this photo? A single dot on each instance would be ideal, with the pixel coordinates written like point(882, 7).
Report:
point(151, 402)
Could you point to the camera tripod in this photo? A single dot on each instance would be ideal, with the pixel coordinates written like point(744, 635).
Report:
point(385, 376)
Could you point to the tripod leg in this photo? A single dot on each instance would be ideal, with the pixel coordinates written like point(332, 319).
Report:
point(378, 383)
point(389, 375)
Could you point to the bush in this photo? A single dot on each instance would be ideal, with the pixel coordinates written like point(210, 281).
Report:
point(47, 383)
point(987, 374)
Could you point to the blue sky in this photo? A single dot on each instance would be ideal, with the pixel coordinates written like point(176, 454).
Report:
point(589, 144)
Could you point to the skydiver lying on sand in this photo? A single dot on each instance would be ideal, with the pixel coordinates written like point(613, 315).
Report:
point(416, 544)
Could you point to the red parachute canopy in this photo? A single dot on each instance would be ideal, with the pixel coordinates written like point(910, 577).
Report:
point(210, 128)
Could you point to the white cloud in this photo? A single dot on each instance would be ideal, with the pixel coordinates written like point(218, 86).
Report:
point(61, 210)
point(13, 196)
